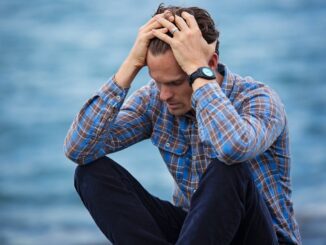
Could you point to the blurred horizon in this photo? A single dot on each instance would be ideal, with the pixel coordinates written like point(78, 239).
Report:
point(55, 54)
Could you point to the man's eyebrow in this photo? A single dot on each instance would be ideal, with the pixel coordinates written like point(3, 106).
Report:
point(172, 81)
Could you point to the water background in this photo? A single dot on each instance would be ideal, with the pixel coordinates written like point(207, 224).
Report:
point(55, 54)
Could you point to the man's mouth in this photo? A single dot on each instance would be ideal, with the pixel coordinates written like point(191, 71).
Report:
point(173, 105)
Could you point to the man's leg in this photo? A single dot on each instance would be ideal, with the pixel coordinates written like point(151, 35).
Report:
point(124, 211)
point(227, 208)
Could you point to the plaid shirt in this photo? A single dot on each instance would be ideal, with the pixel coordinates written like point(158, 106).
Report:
point(241, 120)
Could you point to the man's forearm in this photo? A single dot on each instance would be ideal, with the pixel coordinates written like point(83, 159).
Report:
point(236, 137)
point(126, 74)
point(91, 127)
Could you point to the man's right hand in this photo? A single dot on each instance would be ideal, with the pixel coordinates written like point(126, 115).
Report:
point(137, 56)
point(139, 51)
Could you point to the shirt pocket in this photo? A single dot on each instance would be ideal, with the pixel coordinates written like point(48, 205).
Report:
point(173, 151)
point(169, 143)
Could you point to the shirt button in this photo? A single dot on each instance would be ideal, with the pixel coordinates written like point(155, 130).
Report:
point(110, 119)
point(167, 144)
point(194, 191)
point(118, 97)
point(193, 157)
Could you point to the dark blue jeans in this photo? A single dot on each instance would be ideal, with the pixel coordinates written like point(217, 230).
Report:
point(227, 208)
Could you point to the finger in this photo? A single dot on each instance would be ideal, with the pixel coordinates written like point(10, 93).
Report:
point(151, 25)
point(182, 25)
point(154, 25)
point(152, 20)
point(162, 30)
point(150, 35)
point(168, 15)
point(166, 23)
point(162, 36)
point(190, 19)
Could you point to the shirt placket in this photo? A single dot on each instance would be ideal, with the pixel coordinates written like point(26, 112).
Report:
point(194, 157)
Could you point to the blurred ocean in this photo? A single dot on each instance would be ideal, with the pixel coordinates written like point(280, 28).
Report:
point(56, 54)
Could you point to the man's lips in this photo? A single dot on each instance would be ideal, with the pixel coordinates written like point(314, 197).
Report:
point(173, 105)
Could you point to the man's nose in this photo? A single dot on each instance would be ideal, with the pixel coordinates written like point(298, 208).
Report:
point(165, 93)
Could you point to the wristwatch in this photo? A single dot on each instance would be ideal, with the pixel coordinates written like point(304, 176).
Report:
point(202, 72)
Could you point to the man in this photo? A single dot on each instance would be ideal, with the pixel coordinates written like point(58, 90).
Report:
point(224, 139)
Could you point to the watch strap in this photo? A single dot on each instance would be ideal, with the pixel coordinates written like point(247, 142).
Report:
point(202, 72)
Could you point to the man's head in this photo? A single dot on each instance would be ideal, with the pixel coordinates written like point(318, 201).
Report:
point(171, 80)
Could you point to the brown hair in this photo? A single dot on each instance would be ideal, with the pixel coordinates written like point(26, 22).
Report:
point(204, 20)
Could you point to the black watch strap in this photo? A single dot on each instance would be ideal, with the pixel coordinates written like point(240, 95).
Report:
point(202, 72)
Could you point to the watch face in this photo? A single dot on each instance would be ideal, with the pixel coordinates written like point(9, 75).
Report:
point(207, 72)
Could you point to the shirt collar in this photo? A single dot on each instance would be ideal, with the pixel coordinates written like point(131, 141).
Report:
point(228, 79)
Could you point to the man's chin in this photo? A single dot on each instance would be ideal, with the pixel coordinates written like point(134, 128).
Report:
point(177, 112)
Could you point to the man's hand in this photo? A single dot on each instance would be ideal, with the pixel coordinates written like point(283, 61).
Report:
point(188, 45)
point(137, 56)
point(139, 51)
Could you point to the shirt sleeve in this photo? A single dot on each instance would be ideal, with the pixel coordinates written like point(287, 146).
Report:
point(103, 126)
point(242, 133)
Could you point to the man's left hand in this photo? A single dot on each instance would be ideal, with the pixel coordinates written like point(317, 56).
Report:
point(189, 47)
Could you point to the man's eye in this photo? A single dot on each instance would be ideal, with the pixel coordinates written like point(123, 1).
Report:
point(176, 83)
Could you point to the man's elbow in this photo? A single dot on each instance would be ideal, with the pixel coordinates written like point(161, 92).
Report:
point(71, 155)
point(232, 155)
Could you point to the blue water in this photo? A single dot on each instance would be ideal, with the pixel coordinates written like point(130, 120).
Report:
point(56, 54)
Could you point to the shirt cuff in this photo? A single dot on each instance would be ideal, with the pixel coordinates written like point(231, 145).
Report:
point(111, 92)
point(205, 95)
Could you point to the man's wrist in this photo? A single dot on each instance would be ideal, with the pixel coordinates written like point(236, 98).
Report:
point(204, 72)
point(191, 69)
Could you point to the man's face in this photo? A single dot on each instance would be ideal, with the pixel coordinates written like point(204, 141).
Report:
point(171, 81)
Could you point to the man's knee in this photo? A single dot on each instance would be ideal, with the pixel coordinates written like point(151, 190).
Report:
point(221, 170)
point(85, 175)
point(100, 165)
point(81, 178)
point(231, 180)
point(83, 170)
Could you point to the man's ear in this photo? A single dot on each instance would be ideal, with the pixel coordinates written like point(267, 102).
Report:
point(213, 62)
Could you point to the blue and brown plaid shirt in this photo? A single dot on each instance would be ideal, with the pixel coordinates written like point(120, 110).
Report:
point(241, 120)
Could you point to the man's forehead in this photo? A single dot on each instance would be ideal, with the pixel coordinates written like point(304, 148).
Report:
point(165, 78)
point(164, 68)
point(154, 59)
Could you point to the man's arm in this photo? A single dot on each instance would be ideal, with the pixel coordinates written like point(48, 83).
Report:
point(100, 127)
point(237, 135)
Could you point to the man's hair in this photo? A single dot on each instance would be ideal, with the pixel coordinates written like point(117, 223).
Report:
point(203, 18)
